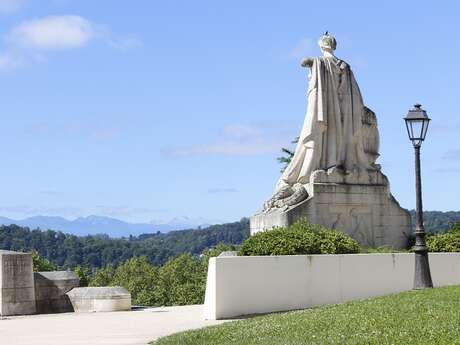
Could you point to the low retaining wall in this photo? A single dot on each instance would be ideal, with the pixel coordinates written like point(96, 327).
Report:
point(261, 284)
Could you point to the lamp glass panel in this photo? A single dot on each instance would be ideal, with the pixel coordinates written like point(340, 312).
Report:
point(425, 128)
point(416, 129)
point(409, 129)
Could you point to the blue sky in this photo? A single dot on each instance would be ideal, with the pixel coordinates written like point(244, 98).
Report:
point(146, 110)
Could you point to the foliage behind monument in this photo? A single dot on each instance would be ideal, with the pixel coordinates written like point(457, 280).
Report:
point(299, 238)
point(445, 242)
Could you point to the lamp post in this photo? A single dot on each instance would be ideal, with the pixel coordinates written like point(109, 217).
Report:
point(417, 122)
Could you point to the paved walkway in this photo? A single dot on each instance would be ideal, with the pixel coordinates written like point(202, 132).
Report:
point(117, 328)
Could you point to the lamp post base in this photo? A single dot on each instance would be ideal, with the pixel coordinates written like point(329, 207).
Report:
point(422, 278)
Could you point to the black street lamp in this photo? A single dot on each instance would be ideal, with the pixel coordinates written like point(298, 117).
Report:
point(417, 122)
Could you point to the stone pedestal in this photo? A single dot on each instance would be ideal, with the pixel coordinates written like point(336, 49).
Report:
point(17, 292)
point(359, 204)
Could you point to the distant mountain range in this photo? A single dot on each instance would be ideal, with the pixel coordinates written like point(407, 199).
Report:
point(92, 225)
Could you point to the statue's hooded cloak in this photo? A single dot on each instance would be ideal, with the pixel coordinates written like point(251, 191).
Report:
point(331, 134)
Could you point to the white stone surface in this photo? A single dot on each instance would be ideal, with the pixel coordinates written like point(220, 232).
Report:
point(118, 328)
point(333, 178)
point(99, 299)
point(366, 212)
point(262, 284)
point(332, 134)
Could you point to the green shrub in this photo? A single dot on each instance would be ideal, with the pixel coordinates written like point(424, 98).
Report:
point(336, 242)
point(299, 238)
point(445, 242)
point(281, 241)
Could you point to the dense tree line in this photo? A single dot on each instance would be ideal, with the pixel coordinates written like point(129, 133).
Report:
point(436, 221)
point(70, 251)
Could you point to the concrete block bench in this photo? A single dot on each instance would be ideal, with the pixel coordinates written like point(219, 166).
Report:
point(51, 289)
point(97, 299)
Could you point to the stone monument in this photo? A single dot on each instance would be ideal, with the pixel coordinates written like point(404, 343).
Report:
point(333, 178)
point(17, 292)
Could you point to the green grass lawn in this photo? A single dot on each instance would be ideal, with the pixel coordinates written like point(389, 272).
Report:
point(417, 317)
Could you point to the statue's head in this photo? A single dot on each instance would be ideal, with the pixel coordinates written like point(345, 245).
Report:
point(327, 42)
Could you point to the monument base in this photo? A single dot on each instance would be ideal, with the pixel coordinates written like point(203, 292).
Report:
point(361, 206)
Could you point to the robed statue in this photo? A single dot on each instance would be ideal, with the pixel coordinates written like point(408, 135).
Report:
point(339, 132)
point(333, 179)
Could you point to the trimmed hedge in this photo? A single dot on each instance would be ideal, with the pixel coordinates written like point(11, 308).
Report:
point(445, 242)
point(299, 238)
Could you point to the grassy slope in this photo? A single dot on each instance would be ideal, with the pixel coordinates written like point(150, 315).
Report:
point(421, 317)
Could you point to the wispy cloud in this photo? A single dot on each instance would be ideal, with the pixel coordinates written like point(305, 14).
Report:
point(236, 140)
point(453, 154)
point(10, 6)
point(57, 128)
point(27, 211)
point(240, 131)
point(121, 211)
point(31, 40)
point(125, 211)
point(256, 147)
point(9, 61)
point(54, 32)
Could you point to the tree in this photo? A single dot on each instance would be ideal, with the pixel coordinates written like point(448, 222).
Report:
point(69, 251)
point(181, 281)
point(41, 264)
point(102, 276)
point(139, 277)
point(286, 159)
point(82, 274)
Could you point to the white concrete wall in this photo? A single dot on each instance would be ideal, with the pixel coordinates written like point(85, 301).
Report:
point(260, 284)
